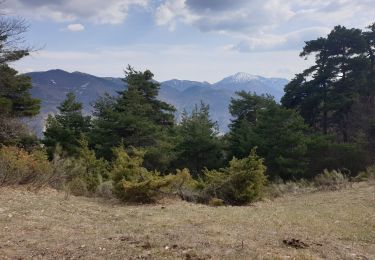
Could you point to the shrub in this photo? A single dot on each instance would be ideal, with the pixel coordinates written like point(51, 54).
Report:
point(183, 184)
point(215, 202)
point(242, 182)
point(77, 187)
point(367, 175)
point(325, 154)
point(275, 190)
point(132, 182)
point(12, 131)
point(19, 167)
point(105, 190)
point(331, 180)
point(85, 168)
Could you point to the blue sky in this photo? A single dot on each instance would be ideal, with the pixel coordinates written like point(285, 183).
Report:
point(203, 40)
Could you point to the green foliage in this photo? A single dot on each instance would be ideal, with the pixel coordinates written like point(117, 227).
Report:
point(132, 182)
point(105, 190)
point(215, 202)
point(85, 172)
point(19, 167)
point(327, 93)
point(11, 39)
point(66, 128)
point(15, 99)
point(279, 134)
point(248, 106)
point(183, 184)
point(324, 153)
point(136, 117)
point(240, 183)
point(198, 145)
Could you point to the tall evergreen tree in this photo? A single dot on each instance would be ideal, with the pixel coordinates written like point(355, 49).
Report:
point(279, 134)
point(135, 118)
point(325, 93)
point(67, 127)
point(198, 146)
point(15, 99)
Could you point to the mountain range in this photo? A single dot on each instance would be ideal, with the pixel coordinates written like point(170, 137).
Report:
point(53, 85)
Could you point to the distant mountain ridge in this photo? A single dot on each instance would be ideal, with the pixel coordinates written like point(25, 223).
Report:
point(53, 85)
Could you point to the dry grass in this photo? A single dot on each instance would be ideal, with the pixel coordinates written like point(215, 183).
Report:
point(334, 225)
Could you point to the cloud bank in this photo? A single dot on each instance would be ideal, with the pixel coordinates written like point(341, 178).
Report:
point(252, 25)
point(97, 11)
point(262, 25)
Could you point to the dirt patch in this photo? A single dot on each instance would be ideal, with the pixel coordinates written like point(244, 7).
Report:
point(295, 243)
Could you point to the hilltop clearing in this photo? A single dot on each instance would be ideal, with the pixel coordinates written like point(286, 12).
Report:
point(44, 225)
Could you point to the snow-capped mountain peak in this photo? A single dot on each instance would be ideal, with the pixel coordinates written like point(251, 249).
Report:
point(244, 77)
point(240, 77)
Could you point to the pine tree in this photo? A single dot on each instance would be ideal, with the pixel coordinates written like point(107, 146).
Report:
point(199, 145)
point(325, 93)
point(67, 127)
point(15, 99)
point(278, 133)
point(12, 32)
point(135, 118)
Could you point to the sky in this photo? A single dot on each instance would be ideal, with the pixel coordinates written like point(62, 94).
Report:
point(204, 40)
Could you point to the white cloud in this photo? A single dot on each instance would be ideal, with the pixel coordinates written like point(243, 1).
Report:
point(97, 11)
point(266, 24)
point(75, 27)
point(289, 41)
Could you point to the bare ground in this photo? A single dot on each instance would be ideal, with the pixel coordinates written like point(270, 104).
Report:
point(44, 225)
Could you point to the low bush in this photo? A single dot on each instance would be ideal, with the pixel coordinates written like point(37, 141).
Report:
point(240, 183)
point(331, 180)
point(275, 190)
point(105, 190)
point(324, 153)
point(367, 175)
point(215, 202)
point(132, 182)
point(77, 187)
point(13, 132)
point(85, 171)
point(19, 167)
point(183, 185)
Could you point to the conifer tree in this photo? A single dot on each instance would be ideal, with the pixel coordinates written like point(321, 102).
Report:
point(278, 133)
point(199, 145)
point(135, 118)
point(67, 127)
point(15, 99)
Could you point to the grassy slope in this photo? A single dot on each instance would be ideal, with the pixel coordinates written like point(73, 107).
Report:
point(337, 225)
